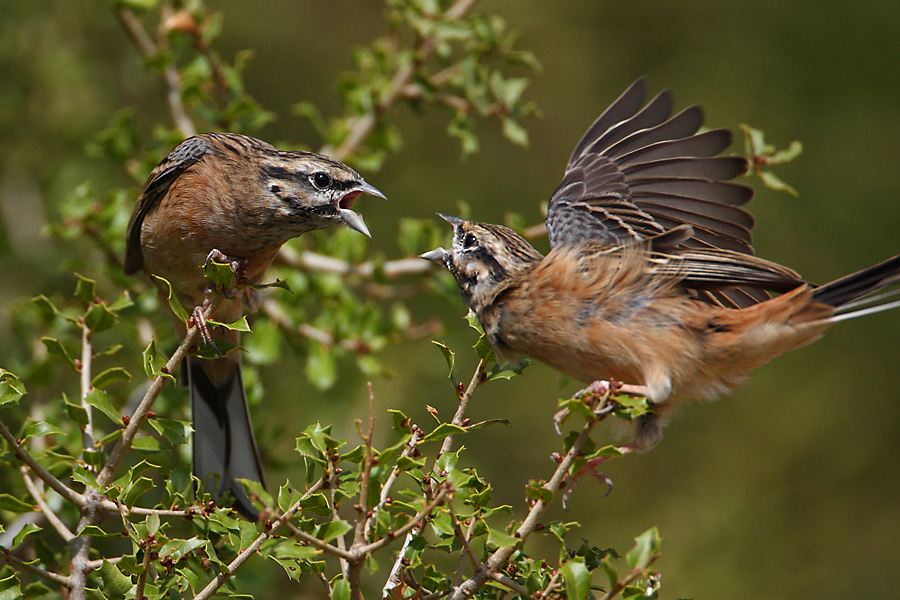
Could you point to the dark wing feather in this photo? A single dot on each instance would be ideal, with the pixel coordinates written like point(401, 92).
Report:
point(637, 172)
point(172, 166)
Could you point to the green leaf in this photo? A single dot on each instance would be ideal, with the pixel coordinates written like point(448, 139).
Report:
point(13, 504)
point(220, 274)
point(507, 371)
point(99, 318)
point(113, 582)
point(288, 495)
point(11, 389)
point(239, 325)
point(450, 358)
point(401, 421)
point(340, 589)
point(577, 578)
point(122, 302)
point(26, 530)
point(174, 304)
point(176, 549)
point(442, 431)
point(176, 432)
point(10, 588)
point(76, 412)
point(110, 376)
point(100, 400)
point(85, 289)
point(515, 133)
point(774, 182)
point(610, 569)
point(334, 529)
point(153, 362)
point(32, 429)
point(152, 524)
point(646, 549)
point(278, 283)
point(55, 348)
point(49, 309)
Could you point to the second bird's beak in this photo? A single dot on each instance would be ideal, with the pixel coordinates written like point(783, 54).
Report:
point(437, 255)
point(352, 219)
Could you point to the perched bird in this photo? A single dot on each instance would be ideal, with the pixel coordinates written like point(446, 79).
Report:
point(651, 278)
point(236, 199)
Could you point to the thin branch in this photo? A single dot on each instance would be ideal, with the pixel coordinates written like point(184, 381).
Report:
point(87, 354)
point(464, 540)
point(42, 473)
point(392, 478)
point(359, 535)
point(629, 579)
point(245, 554)
point(313, 261)
point(6, 555)
point(142, 576)
point(38, 496)
point(409, 526)
point(464, 399)
point(511, 584)
point(170, 74)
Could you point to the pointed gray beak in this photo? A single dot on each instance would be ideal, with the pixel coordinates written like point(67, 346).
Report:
point(352, 219)
point(450, 219)
point(437, 255)
point(371, 190)
point(355, 221)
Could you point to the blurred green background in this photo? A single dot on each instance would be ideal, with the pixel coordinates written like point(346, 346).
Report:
point(789, 488)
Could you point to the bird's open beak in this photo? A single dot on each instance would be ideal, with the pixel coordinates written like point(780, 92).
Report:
point(437, 255)
point(352, 219)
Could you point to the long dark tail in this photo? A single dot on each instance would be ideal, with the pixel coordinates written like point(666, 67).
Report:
point(224, 445)
point(854, 295)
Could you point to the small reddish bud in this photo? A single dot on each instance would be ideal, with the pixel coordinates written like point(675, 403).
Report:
point(151, 414)
point(466, 421)
point(126, 420)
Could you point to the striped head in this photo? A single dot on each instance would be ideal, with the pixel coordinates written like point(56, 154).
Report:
point(484, 258)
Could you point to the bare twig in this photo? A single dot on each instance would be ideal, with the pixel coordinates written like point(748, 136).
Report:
point(44, 475)
point(416, 521)
point(38, 496)
point(392, 478)
point(464, 399)
point(313, 261)
point(87, 353)
point(6, 555)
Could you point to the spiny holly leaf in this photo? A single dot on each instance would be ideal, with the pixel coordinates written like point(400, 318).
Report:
point(450, 357)
point(174, 304)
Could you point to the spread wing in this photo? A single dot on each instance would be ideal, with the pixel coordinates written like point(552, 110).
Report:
point(172, 166)
point(638, 172)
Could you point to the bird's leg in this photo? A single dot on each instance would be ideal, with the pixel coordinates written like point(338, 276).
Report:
point(600, 387)
point(199, 319)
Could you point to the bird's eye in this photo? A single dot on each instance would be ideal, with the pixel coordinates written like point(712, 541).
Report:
point(321, 180)
point(470, 240)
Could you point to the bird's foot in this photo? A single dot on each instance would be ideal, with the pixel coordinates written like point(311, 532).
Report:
point(590, 468)
point(238, 265)
point(601, 388)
